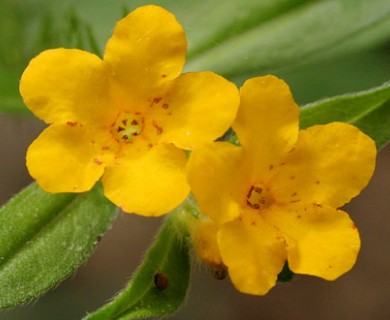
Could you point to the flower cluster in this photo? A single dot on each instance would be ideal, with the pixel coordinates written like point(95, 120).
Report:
point(129, 118)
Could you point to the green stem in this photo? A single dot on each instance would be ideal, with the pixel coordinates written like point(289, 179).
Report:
point(159, 285)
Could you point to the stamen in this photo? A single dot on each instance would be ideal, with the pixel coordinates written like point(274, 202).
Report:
point(127, 127)
point(258, 197)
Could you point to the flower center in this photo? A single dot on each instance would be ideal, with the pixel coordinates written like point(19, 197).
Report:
point(258, 197)
point(127, 127)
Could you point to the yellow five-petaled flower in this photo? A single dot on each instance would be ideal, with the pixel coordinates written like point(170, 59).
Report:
point(274, 198)
point(126, 117)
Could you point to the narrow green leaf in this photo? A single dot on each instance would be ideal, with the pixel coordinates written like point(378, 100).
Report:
point(160, 284)
point(44, 237)
point(314, 30)
point(368, 110)
point(224, 21)
point(233, 38)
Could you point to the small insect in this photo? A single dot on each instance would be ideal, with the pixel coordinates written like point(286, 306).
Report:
point(161, 281)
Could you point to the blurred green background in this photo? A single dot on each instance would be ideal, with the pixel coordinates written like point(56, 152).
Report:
point(28, 27)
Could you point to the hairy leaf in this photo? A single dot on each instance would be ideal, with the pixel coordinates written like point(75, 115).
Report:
point(234, 38)
point(368, 110)
point(44, 237)
point(160, 284)
point(314, 30)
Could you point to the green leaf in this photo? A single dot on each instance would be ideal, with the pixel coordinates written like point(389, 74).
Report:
point(25, 38)
point(315, 30)
point(159, 285)
point(44, 237)
point(224, 22)
point(235, 38)
point(368, 110)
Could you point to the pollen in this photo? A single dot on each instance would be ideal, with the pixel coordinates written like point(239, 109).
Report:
point(127, 127)
point(258, 197)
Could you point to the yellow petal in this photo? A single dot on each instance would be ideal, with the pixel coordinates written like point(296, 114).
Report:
point(147, 50)
point(62, 85)
point(267, 121)
point(253, 252)
point(199, 108)
point(151, 183)
point(214, 176)
point(66, 158)
point(330, 165)
point(204, 238)
point(322, 241)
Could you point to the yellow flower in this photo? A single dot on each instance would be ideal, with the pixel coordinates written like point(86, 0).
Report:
point(274, 199)
point(126, 117)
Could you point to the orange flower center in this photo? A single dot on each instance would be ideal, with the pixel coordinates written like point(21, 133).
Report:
point(127, 126)
point(258, 197)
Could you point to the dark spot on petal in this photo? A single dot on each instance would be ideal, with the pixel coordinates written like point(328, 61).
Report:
point(165, 105)
point(97, 161)
point(71, 123)
point(163, 76)
point(157, 99)
point(317, 182)
point(158, 128)
point(271, 167)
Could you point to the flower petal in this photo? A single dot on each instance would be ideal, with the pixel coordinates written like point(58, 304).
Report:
point(62, 85)
point(204, 238)
point(267, 121)
point(330, 165)
point(199, 108)
point(253, 252)
point(151, 183)
point(66, 158)
point(322, 241)
point(214, 176)
point(147, 50)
